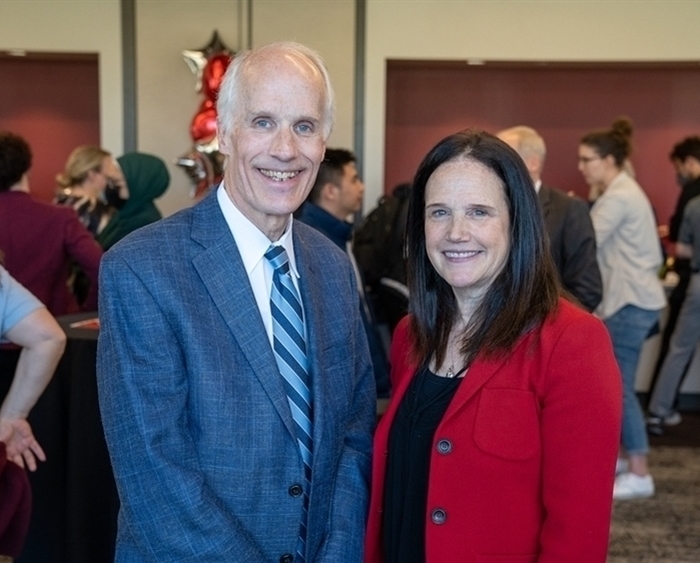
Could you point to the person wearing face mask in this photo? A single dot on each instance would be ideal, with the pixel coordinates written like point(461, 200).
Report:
point(92, 184)
point(685, 157)
point(147, 178)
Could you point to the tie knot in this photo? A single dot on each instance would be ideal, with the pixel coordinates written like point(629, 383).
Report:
point(277, 256)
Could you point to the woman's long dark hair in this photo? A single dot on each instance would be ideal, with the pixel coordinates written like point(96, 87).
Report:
point(522, 295)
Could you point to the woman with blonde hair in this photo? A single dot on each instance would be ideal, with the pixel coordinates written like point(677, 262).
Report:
point(92, 184)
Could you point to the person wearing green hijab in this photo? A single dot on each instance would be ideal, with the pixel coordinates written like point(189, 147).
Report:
point(147, 178)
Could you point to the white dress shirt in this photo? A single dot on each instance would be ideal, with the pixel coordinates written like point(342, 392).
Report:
point(252, 244)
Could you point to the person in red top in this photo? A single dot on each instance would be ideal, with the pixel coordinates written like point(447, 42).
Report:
point(41, 241)
point(500, 441)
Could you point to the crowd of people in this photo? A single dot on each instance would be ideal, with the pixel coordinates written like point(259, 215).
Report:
point(241, 351)
point(49, 262)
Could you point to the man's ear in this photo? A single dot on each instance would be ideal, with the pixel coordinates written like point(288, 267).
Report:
point(329, 192)
point(532, 163)
point(610, 159)
point(224, 144)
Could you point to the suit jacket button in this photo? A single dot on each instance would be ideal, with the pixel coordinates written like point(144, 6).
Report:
point(444, 446)
point(287, 558)
point(295, 491)
point(438, 516)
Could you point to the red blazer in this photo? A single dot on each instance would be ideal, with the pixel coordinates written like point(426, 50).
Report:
point(39, 241)
point(523, 462)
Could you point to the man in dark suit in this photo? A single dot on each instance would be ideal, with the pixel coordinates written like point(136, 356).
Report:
point(566, 218)
point(235, 382)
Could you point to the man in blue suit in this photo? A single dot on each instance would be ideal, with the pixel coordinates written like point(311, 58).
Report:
point(219, 453)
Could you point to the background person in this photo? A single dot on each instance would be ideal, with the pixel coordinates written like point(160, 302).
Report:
point(686, 160)
point(42, 241)
point(25, 322)
point(336, 195)
point(234, 378)
point(501, 437)
point(92, 184)
point(686, 334)
point(629, 256)
point(379, 247)
point(566, 219)
point(147, 178)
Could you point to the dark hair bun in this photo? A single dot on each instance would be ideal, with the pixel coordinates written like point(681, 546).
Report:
point(622, 126)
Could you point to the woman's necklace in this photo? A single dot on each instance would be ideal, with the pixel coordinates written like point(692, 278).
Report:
point(450, 372)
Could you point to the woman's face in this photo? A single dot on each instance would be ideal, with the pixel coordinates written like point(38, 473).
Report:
point(111, 172)
point(467, 226)
point(594, 168)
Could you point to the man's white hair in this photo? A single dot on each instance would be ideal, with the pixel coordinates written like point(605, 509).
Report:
point(529, 142)
point(233, 83)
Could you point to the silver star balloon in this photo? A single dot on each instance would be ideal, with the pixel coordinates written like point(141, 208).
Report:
point(197, 59)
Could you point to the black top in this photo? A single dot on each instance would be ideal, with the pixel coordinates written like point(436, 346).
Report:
point(408, 465)
point(688, 192)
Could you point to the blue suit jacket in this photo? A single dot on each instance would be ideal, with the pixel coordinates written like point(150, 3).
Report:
point(195, 414)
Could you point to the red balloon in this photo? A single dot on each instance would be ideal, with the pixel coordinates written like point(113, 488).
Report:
point(213, 74)
point(204, 163)
point(203, 126)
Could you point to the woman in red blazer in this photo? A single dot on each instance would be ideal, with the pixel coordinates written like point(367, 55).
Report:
point(501, 438)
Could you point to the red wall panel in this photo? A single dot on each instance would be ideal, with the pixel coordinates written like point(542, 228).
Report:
point(53, 102)
point(429, 100)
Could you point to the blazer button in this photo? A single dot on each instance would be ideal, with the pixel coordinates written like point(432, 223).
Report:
point(438, 516)
point(444, 446)
point(287, 558)
point(295, 491)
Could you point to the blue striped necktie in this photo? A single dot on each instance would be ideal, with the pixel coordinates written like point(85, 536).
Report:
point(289, 345)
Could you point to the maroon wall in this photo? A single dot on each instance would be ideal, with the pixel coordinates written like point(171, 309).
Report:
point(428, 100)
point(53, 102)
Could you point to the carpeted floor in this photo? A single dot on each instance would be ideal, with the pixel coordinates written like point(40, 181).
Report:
point(665, 528)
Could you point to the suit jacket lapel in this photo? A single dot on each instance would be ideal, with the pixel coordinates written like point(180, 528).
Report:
point(312, 296)
point(545, 200)
point(478, 375)
point(222, 272)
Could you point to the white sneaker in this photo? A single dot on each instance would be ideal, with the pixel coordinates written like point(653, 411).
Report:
point(673, 419)
point(621, 466)
point(631, 486)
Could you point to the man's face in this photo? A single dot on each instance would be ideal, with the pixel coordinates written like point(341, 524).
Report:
point(277, 140)
point(686, 170)
point(681, 173)
point(350, 191)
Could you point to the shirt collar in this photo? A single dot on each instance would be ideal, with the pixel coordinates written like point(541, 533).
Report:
point(252, 243)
